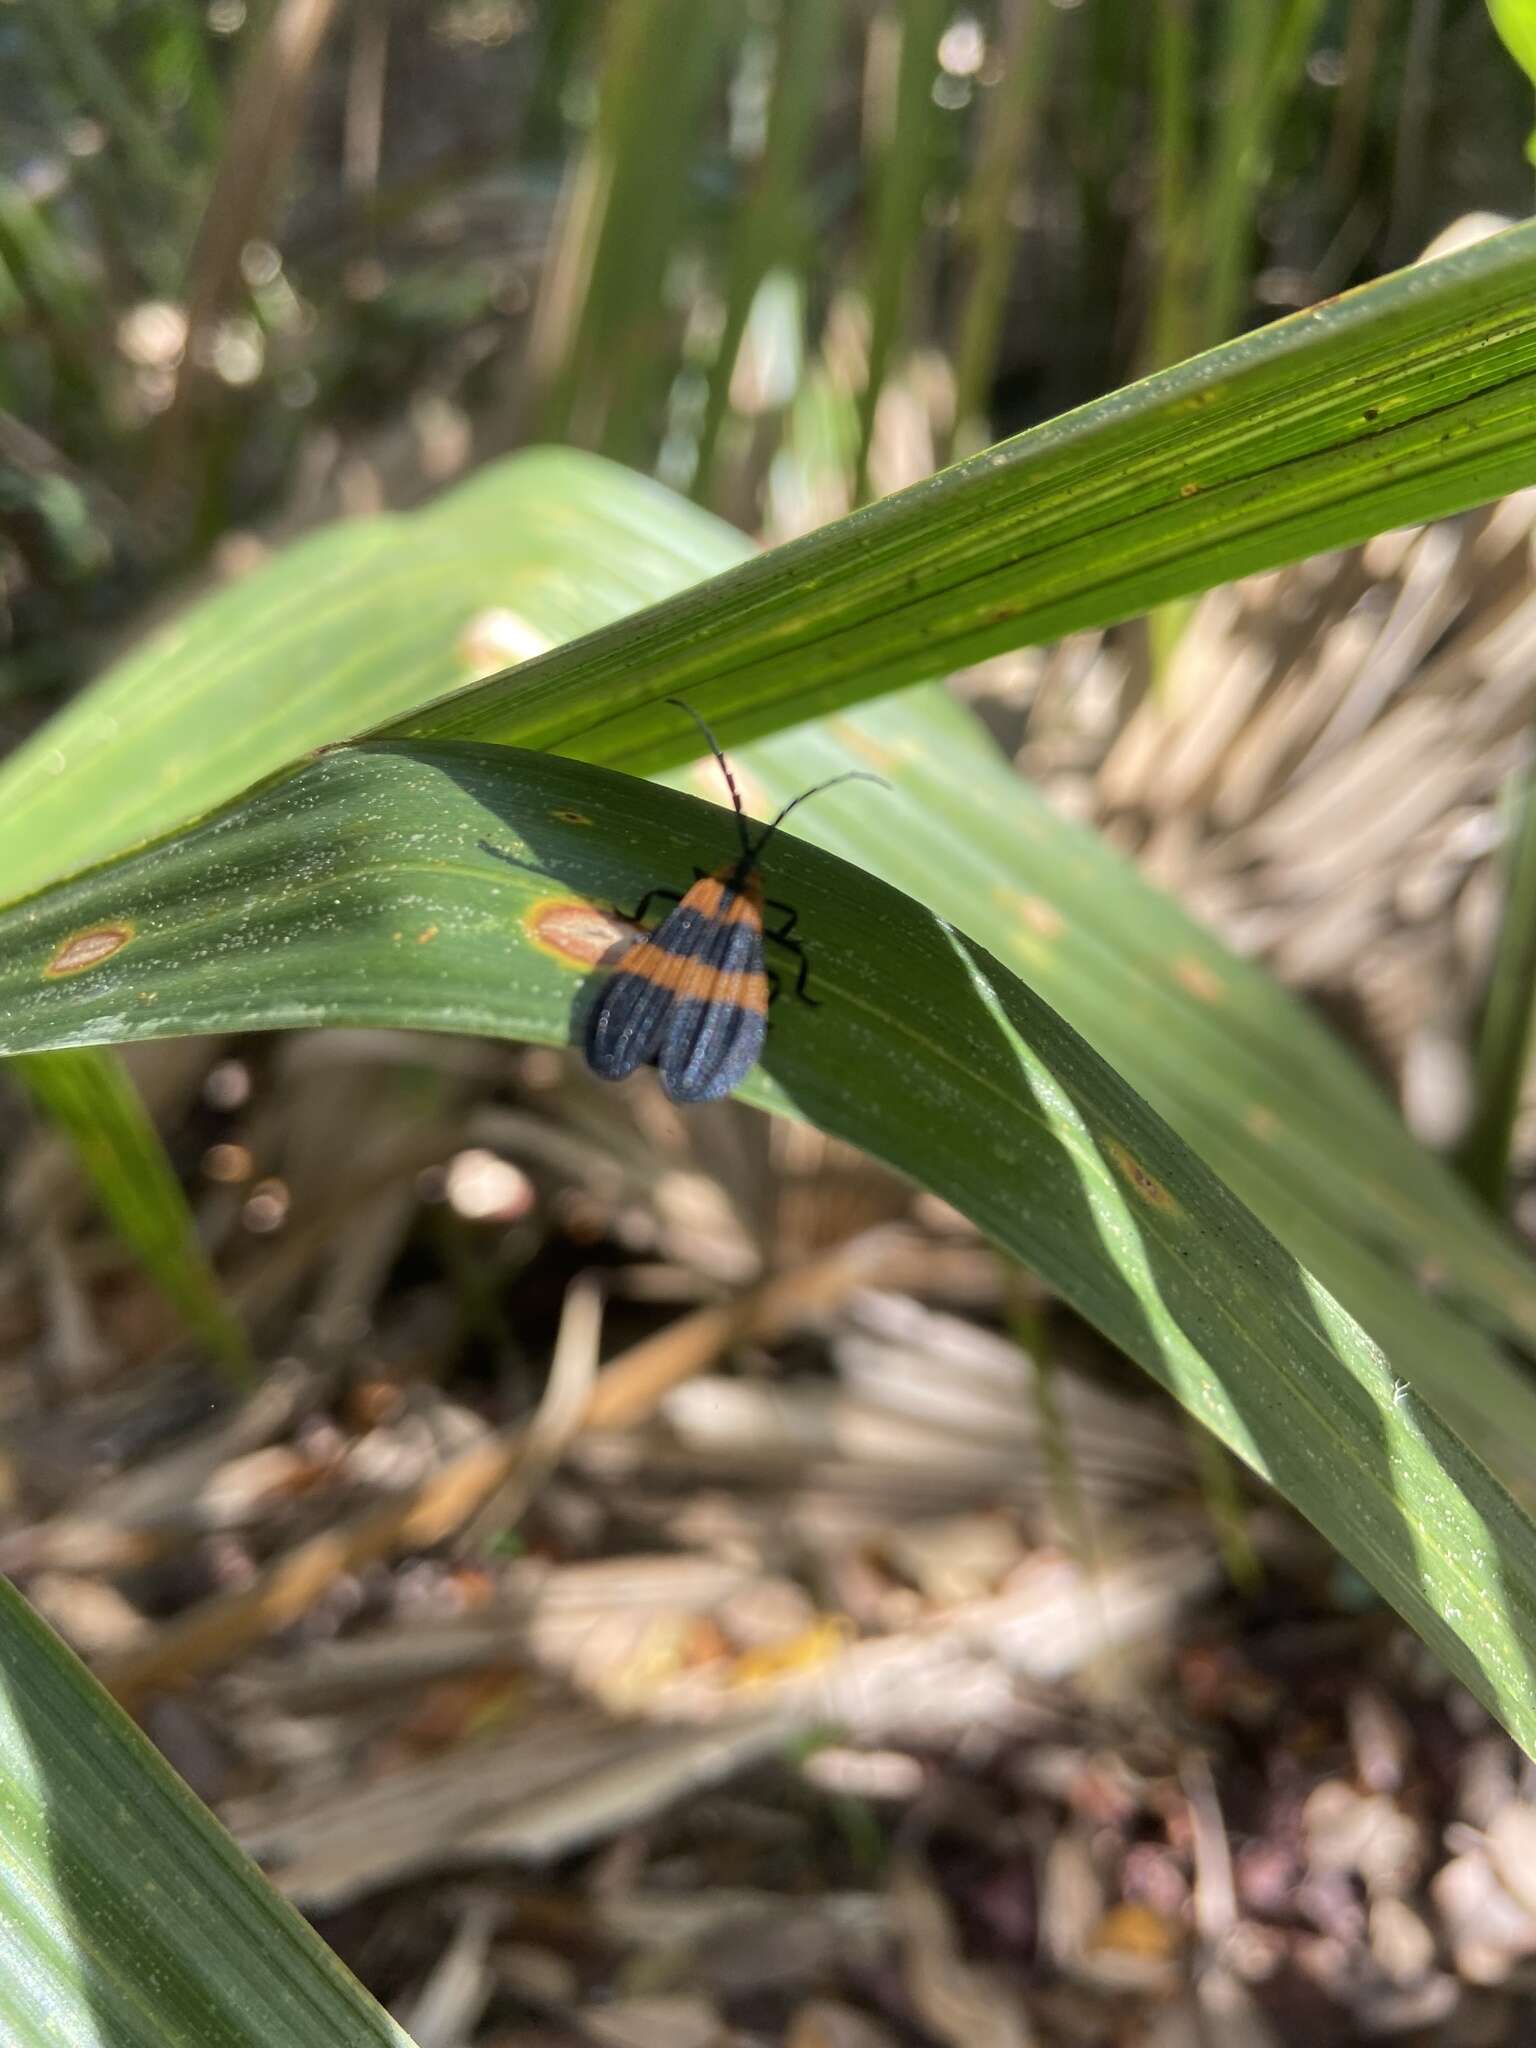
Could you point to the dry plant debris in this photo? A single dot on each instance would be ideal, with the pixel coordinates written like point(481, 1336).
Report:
point(1317, 773)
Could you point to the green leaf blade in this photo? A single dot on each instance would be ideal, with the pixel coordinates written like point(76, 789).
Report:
point(394, 885)
point(346, 628)
point(1408, 399)
point(1515, 21)
point(127, 1916)
point(1246, 1076)
point(91, 1100)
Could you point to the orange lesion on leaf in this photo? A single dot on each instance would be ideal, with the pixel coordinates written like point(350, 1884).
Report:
point(885, 758)
point(425, 938)
point(1042, 918)
point(1037, 923)
point(88, 949)
point(1147, 1185)
point(1199, 980)
point(575, 933)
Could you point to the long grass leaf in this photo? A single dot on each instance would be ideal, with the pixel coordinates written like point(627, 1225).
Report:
point(128, 1918)
point(1405, 400)
point(455, 887)
point(91, 1101)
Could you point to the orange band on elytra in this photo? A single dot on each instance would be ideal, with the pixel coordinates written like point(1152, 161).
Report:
point(691, 979)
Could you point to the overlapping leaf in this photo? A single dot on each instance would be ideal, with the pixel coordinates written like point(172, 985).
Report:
point(451, 886)
point(1405, 400)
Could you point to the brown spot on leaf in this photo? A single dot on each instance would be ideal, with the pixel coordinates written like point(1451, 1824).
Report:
point(861, 743)
point(425, 938)
point(1260, 1122)
point(1202, 982)
point(570, 817)
point(88, 949)
point(1189, 490)
point(577, 934)
point(1040, 916)
point(1146, 1185)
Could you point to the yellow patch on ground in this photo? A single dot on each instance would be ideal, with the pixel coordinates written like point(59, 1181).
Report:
point(1136, 1931)
point(827, 1637)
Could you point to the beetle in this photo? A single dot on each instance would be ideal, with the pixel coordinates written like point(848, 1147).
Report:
point(692, 996)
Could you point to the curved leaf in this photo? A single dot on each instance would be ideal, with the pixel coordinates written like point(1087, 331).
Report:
point(1405, 400)
point(345, 629)
point(1252, 1080)
point(127, 1916)
point(364, 619)
point(457, 887)
point(537, 547)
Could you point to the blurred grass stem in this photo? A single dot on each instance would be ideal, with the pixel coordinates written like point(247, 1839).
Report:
point(902, 63)
point(773, 222)
point(1504, 1034)
point(989, 225)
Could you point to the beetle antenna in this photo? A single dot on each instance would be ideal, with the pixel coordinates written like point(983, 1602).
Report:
point(853, 775)
point(725, 770)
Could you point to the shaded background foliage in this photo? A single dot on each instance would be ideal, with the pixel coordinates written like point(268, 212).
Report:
point(352, 208)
